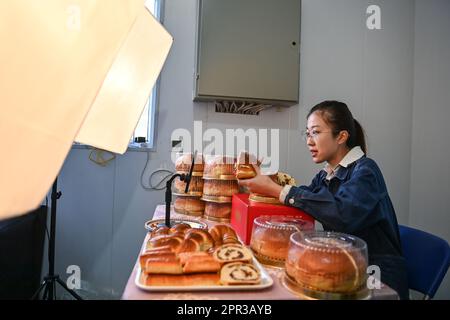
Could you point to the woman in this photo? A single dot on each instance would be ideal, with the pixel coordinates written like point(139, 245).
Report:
point(350, 194)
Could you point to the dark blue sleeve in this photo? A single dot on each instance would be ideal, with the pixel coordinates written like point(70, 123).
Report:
point(351, 208)
point(314, 183)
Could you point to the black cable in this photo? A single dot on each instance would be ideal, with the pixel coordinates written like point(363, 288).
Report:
point(162, 181)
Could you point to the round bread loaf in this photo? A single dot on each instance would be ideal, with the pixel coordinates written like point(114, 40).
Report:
point(184, 161)
point(195, 185)
point(218, 210)
point(270, 243)
point(271, 235)
point(332, 266)
point(220, 188)
point(219, 165)
point(188, 205)
point(179, 204)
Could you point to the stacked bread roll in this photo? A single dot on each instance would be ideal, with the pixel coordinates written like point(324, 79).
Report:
point(244, 166)
point(189, 203)
point(219, 185)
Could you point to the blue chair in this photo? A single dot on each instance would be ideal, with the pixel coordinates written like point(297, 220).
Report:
point(427, 260)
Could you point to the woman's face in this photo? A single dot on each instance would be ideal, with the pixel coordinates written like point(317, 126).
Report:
point(320, 140)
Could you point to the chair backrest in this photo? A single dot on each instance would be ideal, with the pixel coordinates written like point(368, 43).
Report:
point(427, 258)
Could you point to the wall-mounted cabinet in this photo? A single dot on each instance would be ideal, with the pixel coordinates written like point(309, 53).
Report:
point(248, 50)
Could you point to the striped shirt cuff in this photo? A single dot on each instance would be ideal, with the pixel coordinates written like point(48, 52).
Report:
point(284, 193)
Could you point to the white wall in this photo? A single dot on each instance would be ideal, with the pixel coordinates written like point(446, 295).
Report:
point(102, 211)
point(371, 71)
point(430, 166)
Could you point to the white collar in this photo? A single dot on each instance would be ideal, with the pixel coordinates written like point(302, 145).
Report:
point(353, 155)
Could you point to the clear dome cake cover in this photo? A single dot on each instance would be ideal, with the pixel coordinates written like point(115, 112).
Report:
point(290, 223)
point(327, 261)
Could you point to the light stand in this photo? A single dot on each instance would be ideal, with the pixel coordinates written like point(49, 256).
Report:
point(50, 280)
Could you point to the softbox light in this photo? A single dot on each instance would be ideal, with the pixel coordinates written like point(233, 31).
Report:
point(69, 69)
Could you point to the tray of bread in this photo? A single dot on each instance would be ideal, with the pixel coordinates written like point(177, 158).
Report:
point(186, 258)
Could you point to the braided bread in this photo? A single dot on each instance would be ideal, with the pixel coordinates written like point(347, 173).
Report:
point(202, 237)
point(189, 245)
point(179, 227)
point(163, 265)
point(180, 238)
point(163, 230)
point(184, 256)
point(196, 279)
point(173, 241)
point(148, 255)
point(221, 232)
point(196, 264)
point(230, 238)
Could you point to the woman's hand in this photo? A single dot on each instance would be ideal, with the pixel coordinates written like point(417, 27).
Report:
point(262, 184)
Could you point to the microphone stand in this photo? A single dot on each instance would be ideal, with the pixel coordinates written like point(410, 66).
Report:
point(183, 177)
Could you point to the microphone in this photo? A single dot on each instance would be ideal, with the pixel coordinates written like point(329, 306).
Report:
point(188, 177)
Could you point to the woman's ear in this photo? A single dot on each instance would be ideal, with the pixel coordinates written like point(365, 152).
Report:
point(343, 137)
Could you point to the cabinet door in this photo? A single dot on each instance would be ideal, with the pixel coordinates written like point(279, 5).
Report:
point(248, 50)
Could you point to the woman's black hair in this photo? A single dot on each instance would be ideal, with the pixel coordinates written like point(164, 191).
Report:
point(337, 115)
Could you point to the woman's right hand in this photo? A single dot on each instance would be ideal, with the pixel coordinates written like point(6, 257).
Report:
point(261, 184)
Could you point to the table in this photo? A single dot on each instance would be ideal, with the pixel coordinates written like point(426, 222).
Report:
point(276, 292)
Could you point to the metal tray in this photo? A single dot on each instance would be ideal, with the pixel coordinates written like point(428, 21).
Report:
point(194, 223)
point(266, 282)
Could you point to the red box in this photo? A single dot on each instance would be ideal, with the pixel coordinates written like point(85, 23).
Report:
point(243, 212)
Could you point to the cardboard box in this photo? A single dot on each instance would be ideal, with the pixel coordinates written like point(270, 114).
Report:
point(243, 212)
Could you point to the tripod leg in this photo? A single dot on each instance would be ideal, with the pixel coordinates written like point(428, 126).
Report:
point(45, 295)
point(36, 294)
point(54, 290)
point(73, 293)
